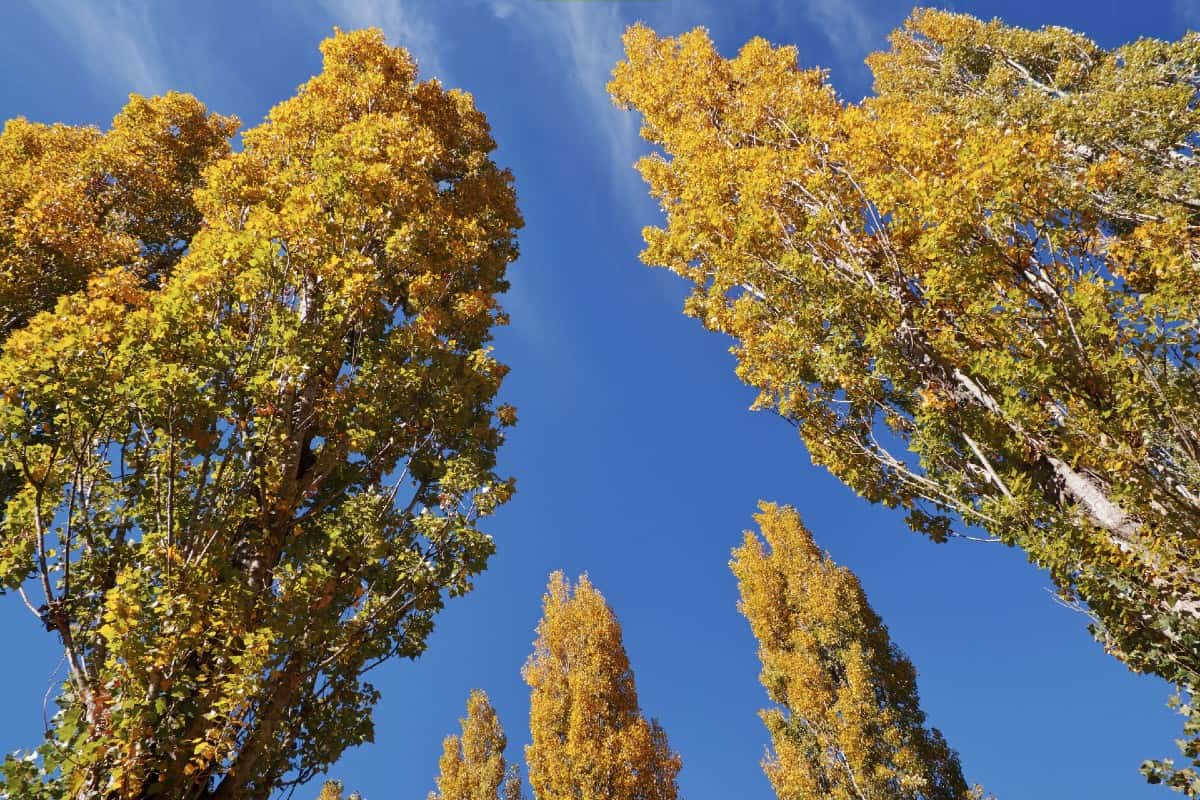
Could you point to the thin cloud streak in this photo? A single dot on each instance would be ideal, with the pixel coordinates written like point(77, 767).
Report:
point(588, 35)
point(1189, 12)
point(115, 41)
point(851, 30)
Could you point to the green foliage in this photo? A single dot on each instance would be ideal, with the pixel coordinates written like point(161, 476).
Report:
point(243, 483)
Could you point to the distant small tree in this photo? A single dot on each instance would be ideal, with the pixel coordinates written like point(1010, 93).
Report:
point(848, 723)
point(332, 790)
point(589, 738)
point(472, 766)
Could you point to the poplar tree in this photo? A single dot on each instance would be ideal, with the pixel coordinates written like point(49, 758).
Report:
point(847, 724)
point(251, 464)
point(975, 293)
point(472, 766)
point(589, 739)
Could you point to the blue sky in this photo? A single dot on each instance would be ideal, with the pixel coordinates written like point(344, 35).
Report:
point(636, 457)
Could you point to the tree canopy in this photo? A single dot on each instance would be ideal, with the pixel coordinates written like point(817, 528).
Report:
point(974, 293)
point(249, 416)
point(75, 202)
point(251, 456)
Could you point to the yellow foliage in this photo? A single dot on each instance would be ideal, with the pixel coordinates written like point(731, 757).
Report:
point(75, 201)
point(589, 740)
point(331, 790)
point(472, 766)
point(848, 724)
point(285, 448)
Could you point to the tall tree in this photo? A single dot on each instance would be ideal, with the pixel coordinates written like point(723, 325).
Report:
point(589, 738)
point(990, 264)
point(239, 491)
point(848, 724)
point(472, 766)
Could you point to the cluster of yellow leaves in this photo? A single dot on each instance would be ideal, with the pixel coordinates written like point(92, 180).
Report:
point(589, 740)
point(331, 790)
point(848, 724)
point(75, 201)
point(472, 766)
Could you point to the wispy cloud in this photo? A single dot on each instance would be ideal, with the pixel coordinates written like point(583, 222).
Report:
point(851, 30)
point(587, 38)
point(115, 41)
point(1188, 11)
point(402, 22)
